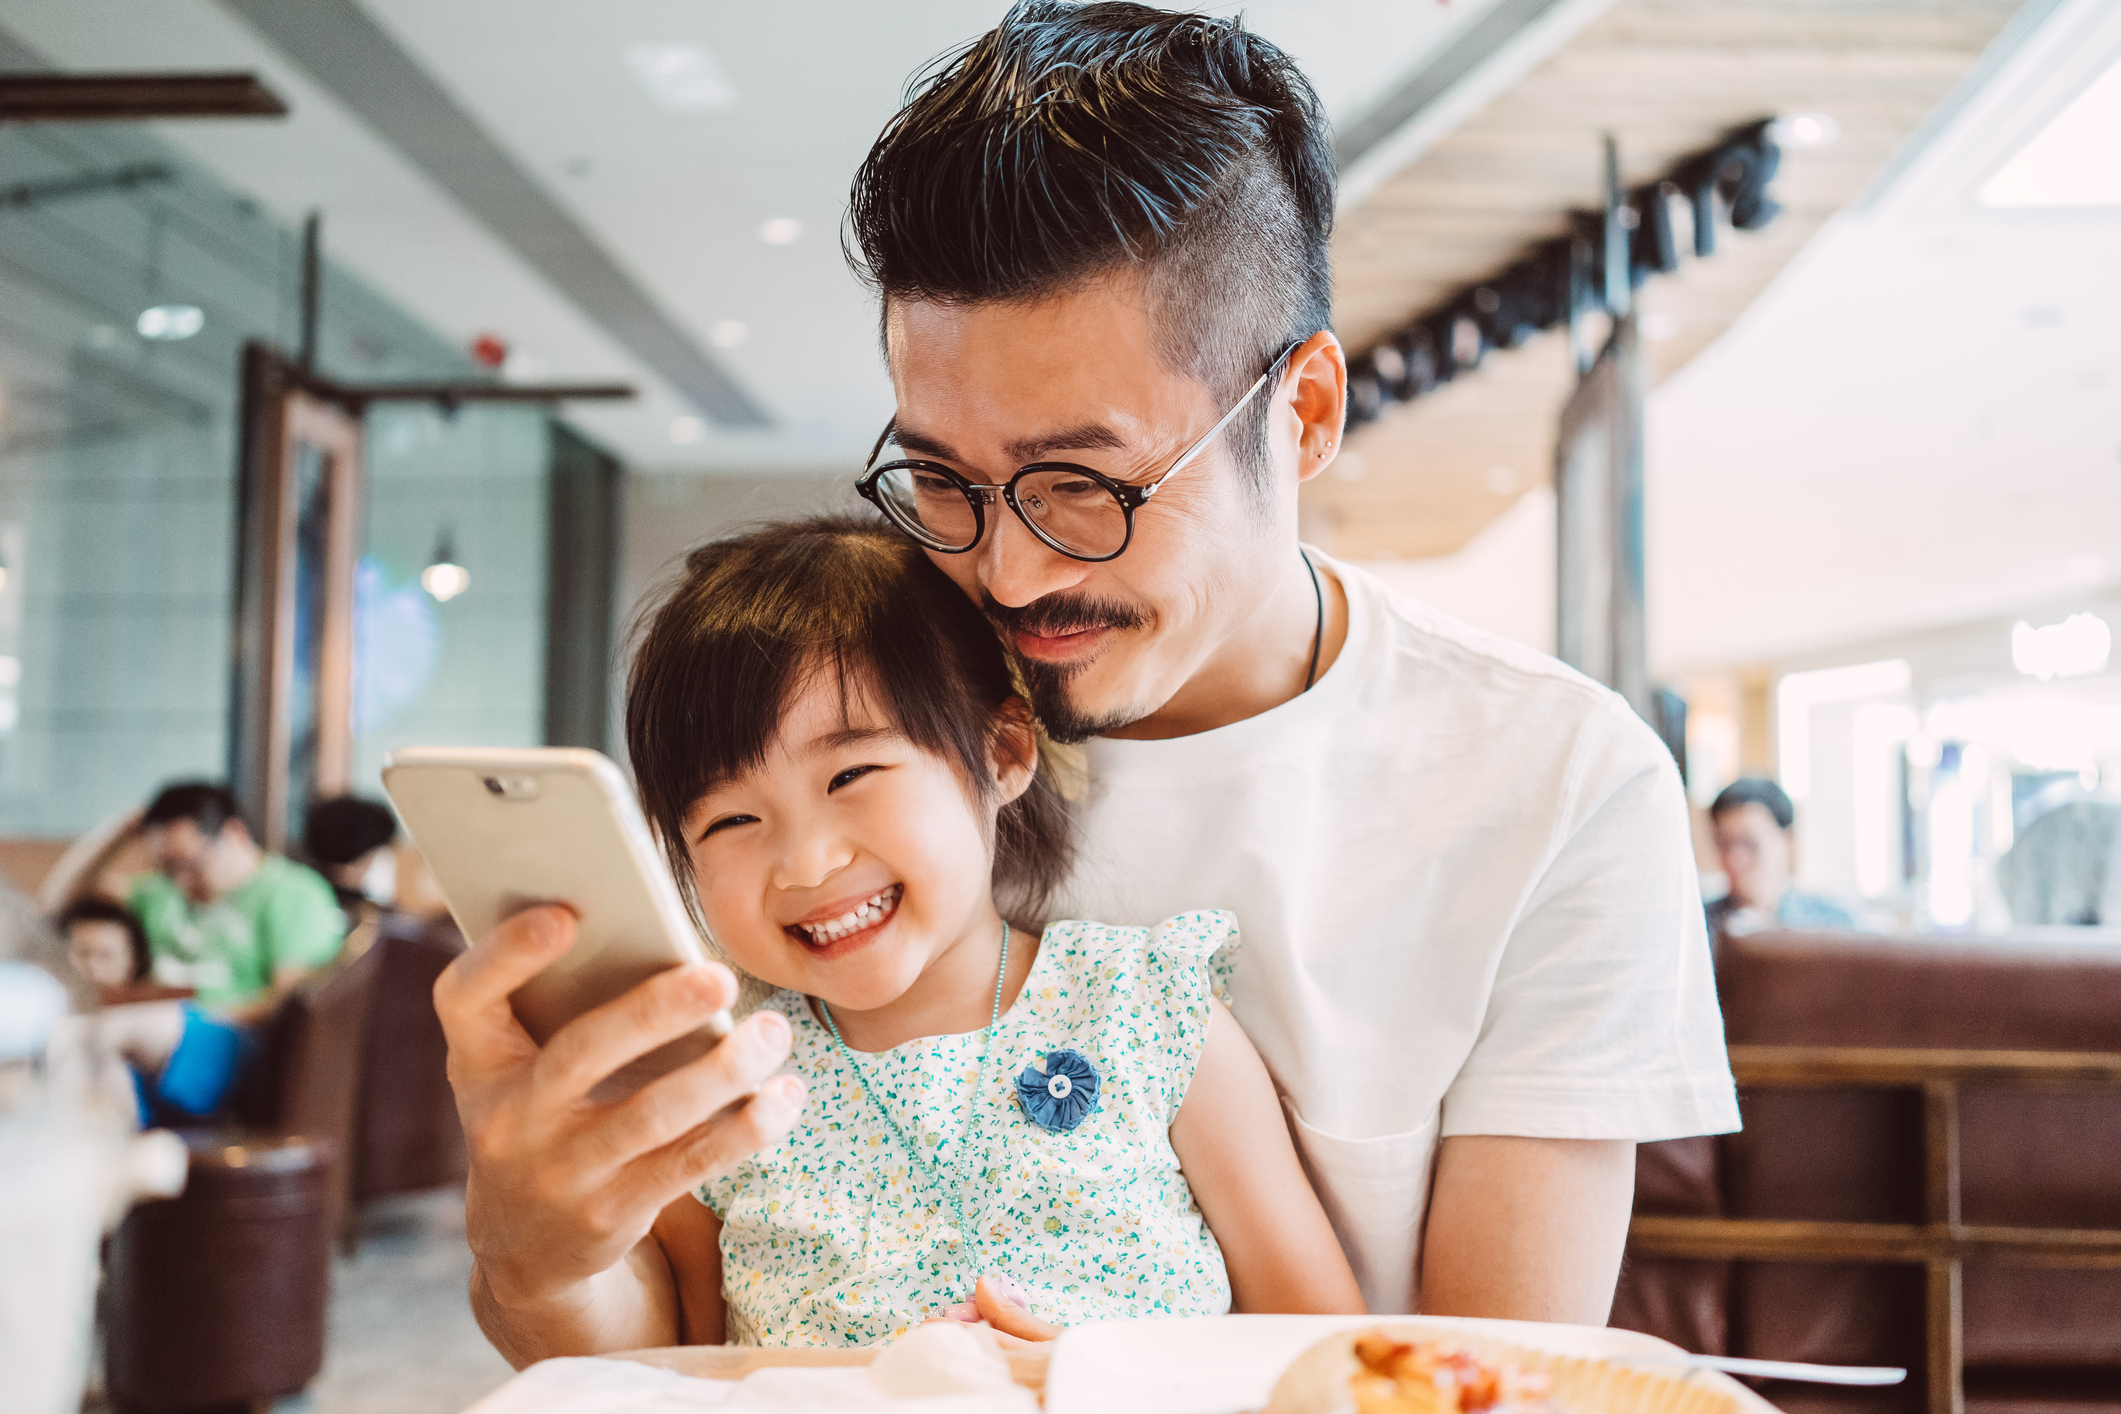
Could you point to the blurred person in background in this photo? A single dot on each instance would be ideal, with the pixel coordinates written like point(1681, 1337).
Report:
point(1752, 820)
point(183, 1060)
point(352, 842)
point(237, 925)
point(107, 945)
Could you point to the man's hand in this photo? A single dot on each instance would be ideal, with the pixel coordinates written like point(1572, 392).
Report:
point(1527, 1229)
point(563, 1189)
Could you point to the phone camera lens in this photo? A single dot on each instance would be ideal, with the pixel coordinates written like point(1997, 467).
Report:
point(494, 786)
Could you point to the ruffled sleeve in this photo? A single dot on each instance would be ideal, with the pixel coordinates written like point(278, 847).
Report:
point(1191, 957)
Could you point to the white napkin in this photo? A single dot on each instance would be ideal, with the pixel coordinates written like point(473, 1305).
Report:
point(944, 1368)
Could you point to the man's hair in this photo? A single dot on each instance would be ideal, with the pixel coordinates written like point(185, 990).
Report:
point(1755, 790)
point(1074, 142)
point(205, 804)
point(103, 910)
point(754, 619)
point(345, 827)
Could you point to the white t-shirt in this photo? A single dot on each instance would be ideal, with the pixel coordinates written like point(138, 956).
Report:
point(1465, 885)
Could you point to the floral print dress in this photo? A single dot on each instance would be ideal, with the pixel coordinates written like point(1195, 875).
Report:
point(835, 1237)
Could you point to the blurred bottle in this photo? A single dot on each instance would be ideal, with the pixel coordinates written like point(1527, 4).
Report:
point(69, 1167)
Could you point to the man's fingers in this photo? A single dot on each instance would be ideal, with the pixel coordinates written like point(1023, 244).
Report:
point(668, 1005)
point(722, 1143)
point(471, 995)
point(674, 1105)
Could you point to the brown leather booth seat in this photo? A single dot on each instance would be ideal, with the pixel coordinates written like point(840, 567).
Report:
point(2035, 1338)
point(407, 1136)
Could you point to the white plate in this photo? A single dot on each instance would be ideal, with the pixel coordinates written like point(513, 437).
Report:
point(1221, 1364)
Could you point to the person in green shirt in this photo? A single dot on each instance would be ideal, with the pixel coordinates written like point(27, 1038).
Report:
point(237, 925)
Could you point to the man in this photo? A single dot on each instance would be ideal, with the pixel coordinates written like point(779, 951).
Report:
point(1474, 958)
point(236, 925)
point(1751, 819)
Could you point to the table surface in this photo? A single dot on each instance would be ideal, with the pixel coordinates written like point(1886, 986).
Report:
point(733, 1362)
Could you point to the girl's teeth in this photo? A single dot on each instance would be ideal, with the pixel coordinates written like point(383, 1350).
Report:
point(854, 920)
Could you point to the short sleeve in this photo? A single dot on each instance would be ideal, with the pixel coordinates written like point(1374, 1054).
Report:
point(158, 904)
point(303, 925)
point(1191, 958)
point(1603, 1021)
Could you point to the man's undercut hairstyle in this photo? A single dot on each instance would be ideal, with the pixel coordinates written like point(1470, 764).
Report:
point(1755, 790)
point(754, 619)
point(1072, 143)
point(205, 804)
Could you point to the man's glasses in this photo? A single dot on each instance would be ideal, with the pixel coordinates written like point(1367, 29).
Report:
point(1082, 513)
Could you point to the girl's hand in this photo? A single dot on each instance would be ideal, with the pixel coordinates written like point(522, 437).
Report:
point(1001, 1303)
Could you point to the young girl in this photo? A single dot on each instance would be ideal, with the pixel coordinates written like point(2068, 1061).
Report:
point(828, 740)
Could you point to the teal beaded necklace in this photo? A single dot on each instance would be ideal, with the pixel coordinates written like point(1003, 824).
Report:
point(955, 1235)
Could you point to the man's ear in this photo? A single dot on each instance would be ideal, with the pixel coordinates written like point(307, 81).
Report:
point(1319, 401)
point(1012, 749)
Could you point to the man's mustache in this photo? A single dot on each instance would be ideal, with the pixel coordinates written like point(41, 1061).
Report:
point(1057, 614)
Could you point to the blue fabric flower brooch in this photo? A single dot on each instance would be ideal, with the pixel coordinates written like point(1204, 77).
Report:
point(1062, 1096)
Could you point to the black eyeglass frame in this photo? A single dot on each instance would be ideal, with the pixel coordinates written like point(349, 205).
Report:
point(980, 496)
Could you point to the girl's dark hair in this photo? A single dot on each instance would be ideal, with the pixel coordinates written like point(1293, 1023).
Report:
point(103, 910)
point(752, 618)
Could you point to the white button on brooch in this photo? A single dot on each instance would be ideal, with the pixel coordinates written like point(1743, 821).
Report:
point(1058, 1087)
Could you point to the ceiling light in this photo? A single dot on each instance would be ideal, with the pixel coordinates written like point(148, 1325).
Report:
point(1804, 130)
point(2077, 647)
point(1659, 328)
point(729, 334)
point(682, 78)
point(781, 230)
point(686, 430)
point(444, 578)
point(171, 322)
point(2070, 162)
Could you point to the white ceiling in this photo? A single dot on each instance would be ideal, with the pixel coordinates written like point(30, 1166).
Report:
point(1920, 422)
point(676, 199)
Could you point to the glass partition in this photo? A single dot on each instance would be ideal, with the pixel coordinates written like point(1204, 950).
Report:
point(129, 280)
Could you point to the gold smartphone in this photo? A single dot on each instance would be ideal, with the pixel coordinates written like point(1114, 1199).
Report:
point(505, 829)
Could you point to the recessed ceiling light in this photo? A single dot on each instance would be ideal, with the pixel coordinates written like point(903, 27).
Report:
point(170, 322)
point(2079, 646)
point(1804, 130)
point(780, 230)
point(682, 78)
point(729, 334)
point(2070, 162)
point(687, 430)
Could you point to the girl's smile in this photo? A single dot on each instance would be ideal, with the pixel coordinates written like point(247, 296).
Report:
point(834, 930)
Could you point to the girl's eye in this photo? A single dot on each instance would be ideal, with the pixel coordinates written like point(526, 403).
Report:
point(728, 821)
point(848, 777)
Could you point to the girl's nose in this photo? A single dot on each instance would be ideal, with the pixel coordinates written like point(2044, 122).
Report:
point(806, 858)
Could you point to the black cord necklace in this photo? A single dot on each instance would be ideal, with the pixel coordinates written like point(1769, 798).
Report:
point(1318, 634)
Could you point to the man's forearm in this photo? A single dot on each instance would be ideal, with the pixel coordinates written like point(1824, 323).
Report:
point(1527, 1229)
point(633, 1306)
